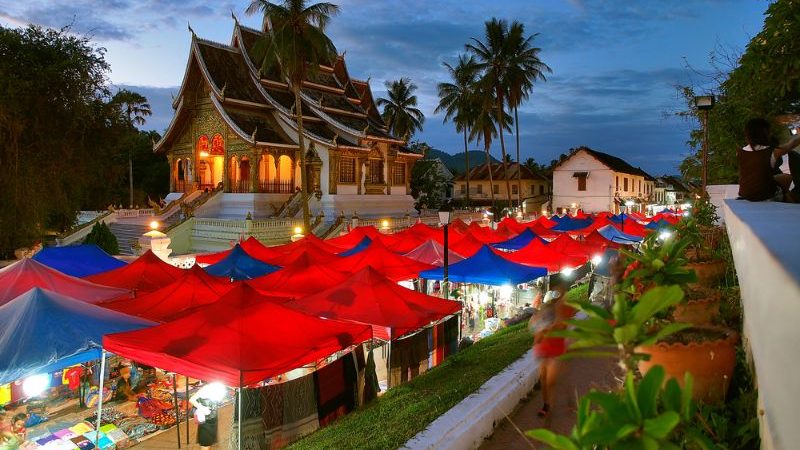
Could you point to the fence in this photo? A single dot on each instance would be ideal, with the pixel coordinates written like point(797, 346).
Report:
point(276, 187)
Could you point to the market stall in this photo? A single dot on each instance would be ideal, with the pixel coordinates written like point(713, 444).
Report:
point(146, 274)
point(238, 265)
point(306, 275)
point(388, 263)
point(78, 260)
point(432, 252)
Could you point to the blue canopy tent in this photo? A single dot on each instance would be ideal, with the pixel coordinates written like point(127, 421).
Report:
point(658, 224)
point(238, 265)
point(486, 267)
point(361, 246)
point(517, 242)
point(78, 260)
point(42, 332)
point(571, 224)
point(614, 235)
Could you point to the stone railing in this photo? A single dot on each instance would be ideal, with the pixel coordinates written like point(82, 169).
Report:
point(79, 232)
point(270, 231)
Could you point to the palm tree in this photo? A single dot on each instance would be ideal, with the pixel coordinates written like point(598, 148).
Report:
point(455, 101)
point(132, 108)
point(493, 60)
point(524, 69)
point(484, 126)
point(400, 110)
point(297, 42)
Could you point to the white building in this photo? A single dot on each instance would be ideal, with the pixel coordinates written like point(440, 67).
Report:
point(594, 181)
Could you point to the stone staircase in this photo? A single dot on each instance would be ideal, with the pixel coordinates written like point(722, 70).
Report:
point(292, 207)
point(126, 234)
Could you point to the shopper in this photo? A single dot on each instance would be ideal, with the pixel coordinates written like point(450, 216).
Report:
point(760, 177)
point(18, 426)
point(206, 402)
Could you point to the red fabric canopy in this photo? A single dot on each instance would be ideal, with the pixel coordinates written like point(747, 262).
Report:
point(511, 226)
point(385, 261)
point(579, 214)
point(544, 221)
point(598, 239)
point(240, 340)
point(569, 246)
point(309, 240)
point(432, 252)
point(404, 241)
point(20, 277)
point(310, 249)
point(671, 218)
point(304, 276)
point(194, 289)
point(488, 235)
point(539, 254)
point(459, 226)
point(251, 246)
point(542, 231)
point(467, 245)
point(370, 298)
point(352, 238)
point(146, 274)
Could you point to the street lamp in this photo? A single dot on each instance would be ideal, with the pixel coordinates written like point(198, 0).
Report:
point(704, 103)
point(628, 204)
point(445, 214)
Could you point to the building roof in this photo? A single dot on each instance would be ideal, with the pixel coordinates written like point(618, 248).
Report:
point(676, 183)
point(612, 162)
point(481, 173)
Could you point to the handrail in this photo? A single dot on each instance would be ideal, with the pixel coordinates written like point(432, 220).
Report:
point(84, 225)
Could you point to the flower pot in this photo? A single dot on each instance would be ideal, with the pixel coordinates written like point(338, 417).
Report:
point(708, 273)
point(710, 362)
point(698, 311)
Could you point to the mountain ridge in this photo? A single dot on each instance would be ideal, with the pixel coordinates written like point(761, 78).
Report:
point(456, 164)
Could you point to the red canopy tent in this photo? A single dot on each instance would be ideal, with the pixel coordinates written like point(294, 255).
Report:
point(671, 218)
point(539, 254)
point(240, 340)
point(467, 245)
point(147, 273)
point(544, 221)
point(542, 231)
point(20, 277)
point(511, 226)
point(194, 289)
point(304, 276)
point(405, 241)
point(432, 252)
point(309, 240)
point(598, 239)
point(385, 261)
point(459, 226)
point(579, 214)
point(251, 246)
point(488, 235)
point(370, 298)
point(311, 249)
point(352, 238)
point(569, 246)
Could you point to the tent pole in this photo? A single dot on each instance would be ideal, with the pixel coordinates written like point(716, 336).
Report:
point(177, 410)
point(240, 412)
point(389, 362)
point(187, 409)
point(100, 398)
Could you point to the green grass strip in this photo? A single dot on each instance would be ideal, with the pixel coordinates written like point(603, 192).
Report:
point(390, 421)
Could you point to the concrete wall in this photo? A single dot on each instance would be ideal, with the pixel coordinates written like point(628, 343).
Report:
point(599, 184)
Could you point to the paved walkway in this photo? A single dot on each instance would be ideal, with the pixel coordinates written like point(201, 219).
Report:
point(578, 376)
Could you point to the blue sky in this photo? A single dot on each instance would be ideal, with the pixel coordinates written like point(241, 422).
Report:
point(615, 62)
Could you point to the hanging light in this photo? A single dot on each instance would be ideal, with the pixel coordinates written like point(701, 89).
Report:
point(597, 259)
point(35, 384)
point(664, 235)
point(154, 225)
point(213, 391)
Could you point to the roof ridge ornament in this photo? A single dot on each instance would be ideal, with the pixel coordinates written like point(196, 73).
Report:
point(233, 15)
point(222, 91)
point(253, 136)
point(188, 24)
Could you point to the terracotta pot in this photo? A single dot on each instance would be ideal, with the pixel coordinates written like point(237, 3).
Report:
point(710, 362)
point(708, 273)
point(698, 312)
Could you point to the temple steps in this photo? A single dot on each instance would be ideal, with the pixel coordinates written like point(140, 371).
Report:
point(126, 234)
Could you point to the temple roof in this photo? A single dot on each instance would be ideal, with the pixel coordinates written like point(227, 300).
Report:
point(224, 65)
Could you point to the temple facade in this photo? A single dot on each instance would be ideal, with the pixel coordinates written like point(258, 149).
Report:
point(235, 129)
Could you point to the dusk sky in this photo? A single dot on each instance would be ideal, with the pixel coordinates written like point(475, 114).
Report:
point(615, 63)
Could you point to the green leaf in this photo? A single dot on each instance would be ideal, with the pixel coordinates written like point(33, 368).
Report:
point(555, 441)
point(630, 394)
point(649, 388)
point(672, 396)
point(626, 333)
point(654, 301)
point(587, 354)
point(686, 397)
point(660, 427)
point(626, 430)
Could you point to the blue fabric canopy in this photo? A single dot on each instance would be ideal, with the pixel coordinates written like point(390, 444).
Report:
point(518, 241)
point(567, 223)
point(658, 224)
point(614, 235)
point(238, 265)
point(487, 267)
point(78, 260)
point(358, 248)
point(42, 332)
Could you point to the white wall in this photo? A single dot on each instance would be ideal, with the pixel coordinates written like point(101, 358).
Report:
point(599, 184)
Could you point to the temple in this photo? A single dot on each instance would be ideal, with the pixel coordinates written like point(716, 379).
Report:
point(234, 130)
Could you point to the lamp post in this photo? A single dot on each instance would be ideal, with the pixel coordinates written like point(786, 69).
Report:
point(628, 204)
point(704, 103)
point(445, 214)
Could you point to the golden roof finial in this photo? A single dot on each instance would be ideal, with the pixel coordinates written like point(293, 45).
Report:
point(253, 136)
point(188, 24)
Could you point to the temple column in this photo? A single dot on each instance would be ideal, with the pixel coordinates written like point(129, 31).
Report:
point(361, 173)
point(333, 172)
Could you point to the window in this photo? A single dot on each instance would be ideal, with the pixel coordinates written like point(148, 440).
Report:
point(640, 186)
point(399, 174)
point(541, 189)
point(496, 189)
point(533, 189)
point(375, 171)
point(463, 188)
point(625, 184)
point(347, 170)
point(582, 182)
point(480, 189)
point(617, 182)
point(514, 189)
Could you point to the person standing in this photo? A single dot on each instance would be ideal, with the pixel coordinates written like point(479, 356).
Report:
point(206, 403)
point(760, 177)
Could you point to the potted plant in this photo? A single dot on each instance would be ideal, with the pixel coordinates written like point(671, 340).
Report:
point(703, 234)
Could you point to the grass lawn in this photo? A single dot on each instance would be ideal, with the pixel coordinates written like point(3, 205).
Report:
point(390, 421)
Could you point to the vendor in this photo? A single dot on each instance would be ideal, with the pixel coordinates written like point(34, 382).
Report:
point(124, 389)
point(18, 426)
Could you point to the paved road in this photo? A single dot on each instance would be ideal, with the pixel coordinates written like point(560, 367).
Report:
point(578, 376)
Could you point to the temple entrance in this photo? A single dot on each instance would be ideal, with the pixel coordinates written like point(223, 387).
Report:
point(210, 171)
point(275, 176)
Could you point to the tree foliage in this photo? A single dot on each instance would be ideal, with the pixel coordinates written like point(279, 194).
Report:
point(102, 237)
point(400, 110)
point(65, 144)
point(428, 185)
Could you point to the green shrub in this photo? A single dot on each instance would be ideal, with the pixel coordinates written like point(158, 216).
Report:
point(102, 237)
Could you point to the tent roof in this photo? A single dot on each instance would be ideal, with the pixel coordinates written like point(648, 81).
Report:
point(193, 289)
point(467, 245)
point(26, 274)
point(488, 235)
point(147, 274)
point(353, 237)
point(241, 339)
point(388, 263)
point(309, 240)
point(78, 260)
point(544, 221)
point(567, 223)
point(361, 246)
point(487, 267)
point(511, 225)
point(569, 246)
point(408, 239)
point(238, 265)
point(310, 249)
point(251, 245)
point(304, 276)
point(459, 225)
point(543, 231)
point(596, 238)
point(611, 233)
point(41, 331)
point(539, 254)
point(432, 252)
point(371, 298)
point(517, 242)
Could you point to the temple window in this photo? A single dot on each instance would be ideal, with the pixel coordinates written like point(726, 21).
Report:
point(217, 145)
point(202, 145)
point(399, 174)
point(375, 171)
point(347, 170)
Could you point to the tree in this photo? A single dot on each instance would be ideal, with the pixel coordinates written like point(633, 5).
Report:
point(296, 41)
point(532, 165)
point(455, 100)
point(428, 185)
point(524, 69)
point(102, 237)
point(493, 60)
point(133, 108)
point(485, 128)
point(400, 110)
